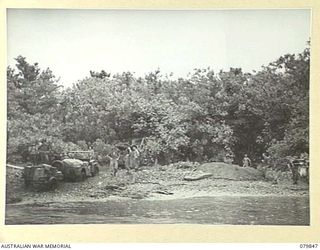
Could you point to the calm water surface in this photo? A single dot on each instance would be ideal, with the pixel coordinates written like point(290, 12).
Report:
point(201, 210)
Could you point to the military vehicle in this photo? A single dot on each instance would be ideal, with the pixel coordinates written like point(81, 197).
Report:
point(77, 165)
point(42, 176)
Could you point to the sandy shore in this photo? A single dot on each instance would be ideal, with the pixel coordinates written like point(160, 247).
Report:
point(161, 183)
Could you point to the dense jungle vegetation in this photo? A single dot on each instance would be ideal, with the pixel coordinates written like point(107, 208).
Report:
point(200, 117)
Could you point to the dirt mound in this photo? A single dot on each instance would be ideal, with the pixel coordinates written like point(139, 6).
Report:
point(221, 170)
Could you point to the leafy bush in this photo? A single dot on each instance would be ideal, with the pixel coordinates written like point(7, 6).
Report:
point(60, 146)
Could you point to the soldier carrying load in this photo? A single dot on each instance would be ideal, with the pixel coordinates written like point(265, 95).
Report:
point(298, 168)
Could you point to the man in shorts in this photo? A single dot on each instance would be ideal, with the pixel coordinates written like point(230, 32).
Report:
point(134, 157)
point(246, 161)
point(114, 161)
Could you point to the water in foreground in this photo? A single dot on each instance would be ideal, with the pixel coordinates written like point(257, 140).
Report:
point(201, 210)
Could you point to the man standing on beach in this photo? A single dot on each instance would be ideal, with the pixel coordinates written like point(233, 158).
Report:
point(134, 157)
point(114, 161)
point(127, 159)
point(266, 158)
point(298, 168)
point(246, 161)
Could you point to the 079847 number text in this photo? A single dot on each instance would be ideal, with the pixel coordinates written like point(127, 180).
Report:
point(308, 245)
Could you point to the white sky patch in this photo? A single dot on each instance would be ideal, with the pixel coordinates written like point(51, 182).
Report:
point(73, 42)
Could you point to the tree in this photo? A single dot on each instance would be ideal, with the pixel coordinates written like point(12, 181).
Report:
point(33, 98)
point(200, 117)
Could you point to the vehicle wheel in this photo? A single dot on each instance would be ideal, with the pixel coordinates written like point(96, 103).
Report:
point(83, 175)
point(72, 175)
point(95, 171)
point(53, 183)
point(27, 183)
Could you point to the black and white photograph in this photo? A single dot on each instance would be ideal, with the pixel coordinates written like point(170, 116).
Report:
point(158, 116)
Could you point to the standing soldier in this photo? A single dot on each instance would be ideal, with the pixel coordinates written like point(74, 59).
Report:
point(134, 157)
point(266, 159)
point(297, 167)
point(114, 161)
point(229, 156)
point(246, 161)
point(127, 159)
point(43, 150)
point(34, 154)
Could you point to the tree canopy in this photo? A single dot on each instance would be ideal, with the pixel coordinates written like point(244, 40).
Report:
point(199, 117)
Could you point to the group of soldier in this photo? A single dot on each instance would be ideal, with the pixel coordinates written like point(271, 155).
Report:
point(131, 159)
point(41, 152)
point(298, 166)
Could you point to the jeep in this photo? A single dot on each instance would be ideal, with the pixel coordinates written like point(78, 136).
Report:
point(78, 165)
